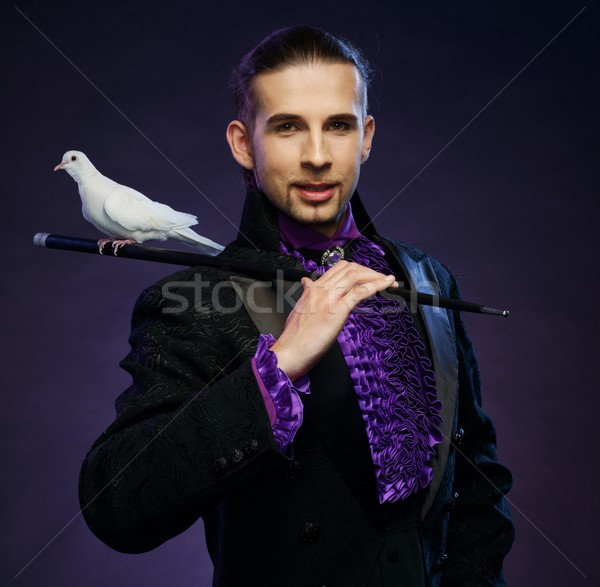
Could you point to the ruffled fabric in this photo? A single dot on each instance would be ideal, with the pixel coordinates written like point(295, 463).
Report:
point(308, 264)
point(394, 383)
point(283, 393)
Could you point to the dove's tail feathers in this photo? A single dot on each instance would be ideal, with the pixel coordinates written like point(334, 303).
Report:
point(189, 237)
point(186, 220)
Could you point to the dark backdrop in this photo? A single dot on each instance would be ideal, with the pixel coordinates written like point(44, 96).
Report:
point(510, 205)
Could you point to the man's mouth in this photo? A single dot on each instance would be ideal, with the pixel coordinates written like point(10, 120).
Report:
point(316, 192)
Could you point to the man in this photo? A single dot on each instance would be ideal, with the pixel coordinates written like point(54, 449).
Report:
point(341, 442)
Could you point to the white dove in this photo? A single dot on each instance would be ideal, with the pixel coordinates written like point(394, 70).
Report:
point(126, 215)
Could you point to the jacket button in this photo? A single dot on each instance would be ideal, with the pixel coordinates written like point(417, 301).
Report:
point(220, 465)
point(251, 447)
point(309, 533)
point(459, 436)
point(440, 563)
point(451, 503)
point(236, 457)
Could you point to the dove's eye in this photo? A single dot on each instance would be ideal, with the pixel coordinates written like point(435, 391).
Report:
point(73, 158)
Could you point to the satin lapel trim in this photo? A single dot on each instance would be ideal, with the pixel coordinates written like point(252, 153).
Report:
point(422, 277)
point(268, 303)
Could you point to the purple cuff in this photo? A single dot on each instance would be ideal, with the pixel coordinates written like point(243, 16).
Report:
point(281, 395)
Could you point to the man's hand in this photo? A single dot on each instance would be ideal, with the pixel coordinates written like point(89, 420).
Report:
point(321, 312)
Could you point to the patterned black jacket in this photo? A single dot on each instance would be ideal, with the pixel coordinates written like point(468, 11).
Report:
point(192, 438)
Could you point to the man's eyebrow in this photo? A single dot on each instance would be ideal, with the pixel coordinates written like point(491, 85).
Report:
point(344, 117)
point(283, 116)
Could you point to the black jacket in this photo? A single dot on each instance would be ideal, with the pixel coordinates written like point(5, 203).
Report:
point(192, 438)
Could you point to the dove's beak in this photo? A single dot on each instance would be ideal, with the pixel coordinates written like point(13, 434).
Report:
point(60, 165)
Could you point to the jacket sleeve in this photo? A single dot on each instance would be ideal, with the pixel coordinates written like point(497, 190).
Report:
point(480, 531)
point(191, 427)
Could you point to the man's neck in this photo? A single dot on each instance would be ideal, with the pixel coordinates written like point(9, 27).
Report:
point(307, 236)
point(328, 230)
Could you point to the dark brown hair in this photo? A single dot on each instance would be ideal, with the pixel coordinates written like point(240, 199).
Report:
point(298, 45)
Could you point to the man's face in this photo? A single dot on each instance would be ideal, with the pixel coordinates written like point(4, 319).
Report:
point(310, 138)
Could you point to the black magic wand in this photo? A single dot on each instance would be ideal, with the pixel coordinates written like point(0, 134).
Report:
point(160, 255)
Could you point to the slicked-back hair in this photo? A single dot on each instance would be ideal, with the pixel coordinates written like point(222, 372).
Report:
point(297, 45)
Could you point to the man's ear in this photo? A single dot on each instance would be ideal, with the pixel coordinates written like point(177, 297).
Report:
point(367, 137)
point(240, 144)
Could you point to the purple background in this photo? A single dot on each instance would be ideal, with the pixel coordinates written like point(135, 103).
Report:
point(510, 206)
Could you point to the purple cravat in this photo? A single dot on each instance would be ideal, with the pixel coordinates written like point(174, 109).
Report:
point(299, 236)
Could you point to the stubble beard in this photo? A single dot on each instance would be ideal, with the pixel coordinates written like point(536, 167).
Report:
point(323, 214)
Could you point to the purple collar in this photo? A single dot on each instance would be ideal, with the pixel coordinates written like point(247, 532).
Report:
point(300, 236)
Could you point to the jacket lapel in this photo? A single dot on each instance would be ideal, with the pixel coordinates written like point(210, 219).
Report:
point(268, 303)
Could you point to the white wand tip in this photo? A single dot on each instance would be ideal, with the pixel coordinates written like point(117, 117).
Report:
point(39, 238)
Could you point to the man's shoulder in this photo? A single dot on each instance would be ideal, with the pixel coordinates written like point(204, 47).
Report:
point(417, 255)
point(183, 277)
point(199, 281)
point(413, 252)
point(178, 282)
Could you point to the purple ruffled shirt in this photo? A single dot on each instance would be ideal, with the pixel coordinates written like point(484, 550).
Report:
point(393, 379)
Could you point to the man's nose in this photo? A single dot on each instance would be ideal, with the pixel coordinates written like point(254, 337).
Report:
point(316, 151)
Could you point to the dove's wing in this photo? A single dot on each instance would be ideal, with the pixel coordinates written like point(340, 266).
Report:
point(134, 211)
point(86, 215)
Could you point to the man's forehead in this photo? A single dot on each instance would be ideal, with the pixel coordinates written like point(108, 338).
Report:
point(334, 87)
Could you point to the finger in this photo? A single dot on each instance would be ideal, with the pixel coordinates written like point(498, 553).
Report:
point(362, 291)
point(346, 267)
point(332, 272)
point(353, 275)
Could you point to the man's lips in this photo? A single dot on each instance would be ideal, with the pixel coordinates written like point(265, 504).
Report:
point(316, 192)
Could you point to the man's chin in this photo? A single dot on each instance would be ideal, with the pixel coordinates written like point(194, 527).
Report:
point(325, 214)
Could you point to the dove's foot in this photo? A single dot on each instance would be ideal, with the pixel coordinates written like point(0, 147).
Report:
point(102, 242)
point(121, 243)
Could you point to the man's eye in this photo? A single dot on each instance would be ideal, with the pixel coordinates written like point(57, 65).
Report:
point(286, 127)
point(338, 125)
